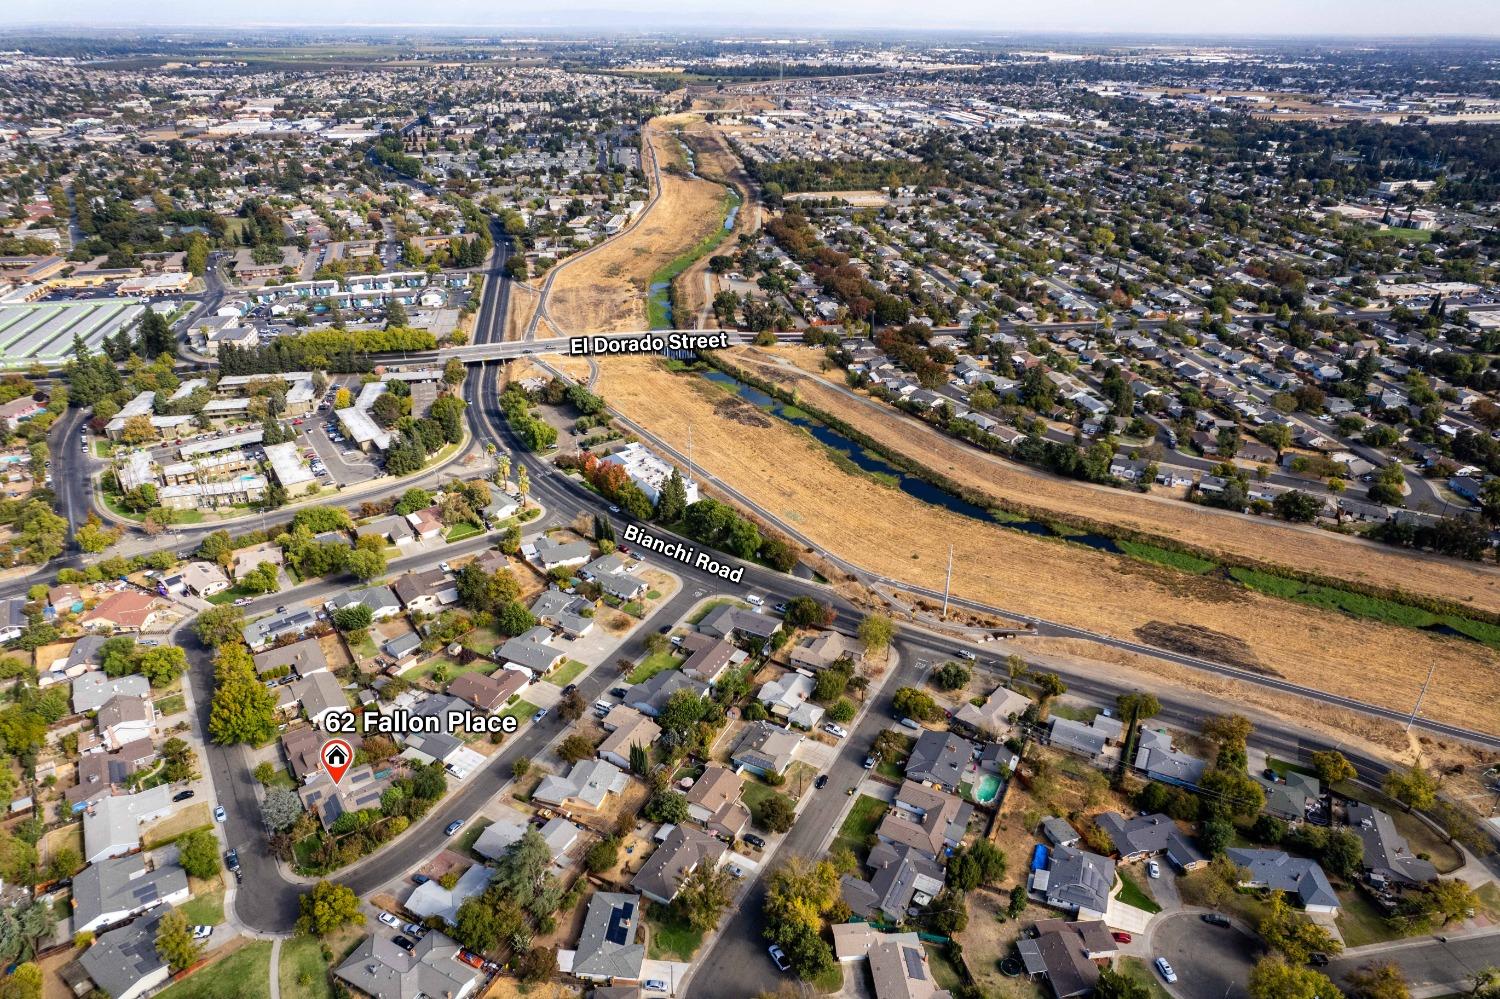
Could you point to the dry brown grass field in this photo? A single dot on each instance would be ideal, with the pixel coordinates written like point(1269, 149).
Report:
point(523, 299)
point(888, 532)
point(1308, 549)
point(715, 161)
point(607, 289)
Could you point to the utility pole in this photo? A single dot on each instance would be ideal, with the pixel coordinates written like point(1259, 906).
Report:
point(1421, 694)
point(948, 583)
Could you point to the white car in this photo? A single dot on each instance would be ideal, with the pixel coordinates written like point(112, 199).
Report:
point(1166, 970)
point(219, 814)
point(444, 566)
point(202, 932)
point(836, 730)
point(241, 601)
point(755, 600)
point(390, 920)
point(1153, 869)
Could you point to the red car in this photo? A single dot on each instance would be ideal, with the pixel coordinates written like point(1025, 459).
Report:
point(1121, 937)
point(471, 959)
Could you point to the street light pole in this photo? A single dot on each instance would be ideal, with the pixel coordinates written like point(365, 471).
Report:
point(1421, 694)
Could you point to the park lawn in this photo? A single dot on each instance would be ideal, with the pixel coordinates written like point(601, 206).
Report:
point(1405, 234)
point(459, 532)
point(245, 974)
point(170, 705)
point(1134, 968)
point(652, 665)
point(860, 825)
point(303, 973)
point(1360, 923)
point(1133, 895)
point(521, 710)
point(566, 673)
point(671, 940)
point(206, 908)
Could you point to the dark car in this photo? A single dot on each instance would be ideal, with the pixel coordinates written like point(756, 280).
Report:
point(755, 841)
point(183, 795)
point(569, 689)
point(232, 860)
point(821, 782)
point(403, 943)
point(1215, 919)
point(420, 879)
point(1318, 959)
point(619, 692)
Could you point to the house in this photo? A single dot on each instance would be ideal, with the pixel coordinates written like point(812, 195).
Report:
point(736, 624)
point(586, 785)
point(940, 758)
point(531, 650)
point(404, 646)
point(1388, 858)
point(708, 657)
point(247, 560)
point(905, 877)
point(490, 693)
point(120, 887)
point(83, 657)
point(926, 819)
point(1156, 756)
point(1066, 954)
point(380, 599)
point(204, 579)
point(393, 528)
point(1146, 836)
point(425, 592)
point(1276, 870)
point(112, 826)
point(786, 698)
point(823, 650)
point(302, 658)
point(714, 800)
point(497, 837)
point(684, 849)
point(123, 963)
point(378, 967)
point(1291, 797)
point(613, 574)
point(100, 773)
point(127, 610)
point(361, 788)
point(650, 696)
point(1076, 737)
point(12, 618)
point(764, 748)
point(65, 598)
point(627, 727)
point(319, 694)
point(608, 949)
point(303, 747)
point(993, 716)
point(123, 719)
point(551, 555)
point(92, 690)
point(425, 524)
point(431, 899)
point(259, 634)
point(1059, 832)
point(1076, 881)
point(570, 614)
point(900, 970)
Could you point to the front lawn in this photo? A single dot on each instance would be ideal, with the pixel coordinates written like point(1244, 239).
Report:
point(1133, 895)
point(1137, 970)
point(303, 972)
point(713, 605)
point(652, 665)
point(170, 705)
point(860, 825)
point(671, 940)
point(455, 668)
point(232, 594)
point(459, 532)
point(565, 674)
point(1359, 922)
point(470, 834)
point(206, 909)
point(174, 827)
point(521, 710)
point(245, 974)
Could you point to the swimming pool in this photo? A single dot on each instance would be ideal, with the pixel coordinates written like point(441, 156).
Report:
point(988, 789)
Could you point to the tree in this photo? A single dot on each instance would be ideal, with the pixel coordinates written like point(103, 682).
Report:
point(1378, 981)
point(198, 853)
point(163, 664)
point(671, 501)
point(703, 896)
point(1113, 985)
point(1274, 978)
point(522, 871)
point(218, 625)
point(537, 965)
point(355, 617)
point(951, 676)
point(1050, 685)
point(909, 702)
point(453, 371)
point(1214, 836)
point(477, 926)
point(365, 564)
point(667, 806)
point(576, 747)
point(94, 537)
point(775, 812)
point(1137, 706)
point(242, 710)
point(1331, 766)
point(602, 856)
point(280, 809)
point(806, 612)
point(24, 982)
point(1414, 788)
point(1297, 506)
point(876, 631)
point(174, 941)
point(328, 907)
point(800, 896)
point(1293, 935)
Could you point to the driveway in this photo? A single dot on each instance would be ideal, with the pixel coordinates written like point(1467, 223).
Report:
point(1211, 962)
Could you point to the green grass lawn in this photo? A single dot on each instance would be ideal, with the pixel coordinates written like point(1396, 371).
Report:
point(455, 668)
point(459, 532)
point(1181, 561)
point(1283, 768)
point(364, 648)
point(713, 605)
point(1404, 234)
point(245, 974)
point(1073, 712)
point(171, 704)
point(521, 710)
point(103, 449)
point(652, 665)
point(230, 595)
point(303, 973)
point(566, 673)
point(944, 971)
point(754, 791)
point(470, 833)
point(482, 641)
point(1360, 922)
point(895, 768)
point(1134, 968)
point(670, 939)
point(1134, 895)
point(205, 909)
point(859, 825)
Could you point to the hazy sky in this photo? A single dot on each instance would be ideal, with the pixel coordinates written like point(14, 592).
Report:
point(1459, 18)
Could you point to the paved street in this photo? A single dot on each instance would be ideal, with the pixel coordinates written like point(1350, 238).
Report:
point(1211, 962)
point(1431, 966)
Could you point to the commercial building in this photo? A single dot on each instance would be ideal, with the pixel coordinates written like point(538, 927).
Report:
point(648, 472)
point(290, 470)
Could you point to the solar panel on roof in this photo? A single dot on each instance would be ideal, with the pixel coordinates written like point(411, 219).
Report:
point(914, 969)
point(619, 924)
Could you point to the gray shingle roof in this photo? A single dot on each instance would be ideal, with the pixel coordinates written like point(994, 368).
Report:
point(607, 946)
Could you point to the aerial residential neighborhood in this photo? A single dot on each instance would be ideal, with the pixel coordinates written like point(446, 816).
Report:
point(745, 502)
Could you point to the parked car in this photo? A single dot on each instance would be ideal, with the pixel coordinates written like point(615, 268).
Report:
point(232, 860)
point(202, 932)
point(736, 871)
point(453, 827)
point(403, 943)
point(219, 813)
point(869, 763)
point(471, 959)
point(1166, 970)
point(754, 841)
point(183, 795)
point(1121, 936)
point(444, 566)
point(619, 692)
point(755, 600)
point(779, 608)
point(836, 730)
point(1215, 919)
point(1317, 959)
point(1153, 869)
point(414, 930)
point(390, 920)
point(420, 879)
point(655, 985)
point(569, 689)
point(779, 956)
point(911, 724)
point(540, 714)
point(241, 601)
point(821, 782)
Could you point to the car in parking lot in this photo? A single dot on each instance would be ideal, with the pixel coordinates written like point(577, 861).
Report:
point(453, 827)
point(202, 932)
point(754, 841)
point(1166, 970)
point(389, 919)
point(821, 782)
point(779, 956)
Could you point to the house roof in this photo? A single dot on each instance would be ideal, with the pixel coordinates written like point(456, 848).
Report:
point(1080, 879)
point(717, 787)
point(901, 872)
point(1147, 834)
point(530, 650)
point(767, 747)
point(318, 693)
point(116, 821)
point(684, 849)
point(607, 946)
point(430, 898)
point(995, 713)
point(1061, 951)
point(939, 758)
point(118, 886)
point(484, 692)
point(119, 960)
point(650, 696)
point(377, 967)
point(126, 609)
point(728, 620)
point(636, 731)
point(1386, 851)
point(900, 971)
point(587, 783)
point(411, 586)
point(1280, 871)
point(1161, 761)
point(92, 690)
point(1078, 737)
point(302, 657)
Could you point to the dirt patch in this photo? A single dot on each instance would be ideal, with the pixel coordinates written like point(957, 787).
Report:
point(1308, 549)
point(888, 532)
point(1203, 644)
point(523, 300)
point(989, 938)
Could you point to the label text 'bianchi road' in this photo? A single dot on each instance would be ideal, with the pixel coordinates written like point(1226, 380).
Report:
point(686, 554)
